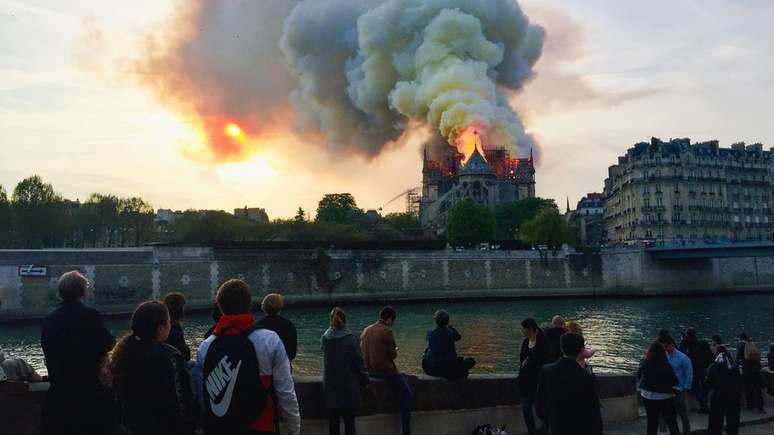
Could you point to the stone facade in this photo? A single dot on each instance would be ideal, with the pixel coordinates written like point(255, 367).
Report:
point(675, 191)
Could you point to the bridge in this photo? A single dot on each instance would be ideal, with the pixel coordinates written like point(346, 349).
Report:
point(684, 251)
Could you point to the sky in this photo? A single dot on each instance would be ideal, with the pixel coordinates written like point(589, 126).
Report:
point(76, 110)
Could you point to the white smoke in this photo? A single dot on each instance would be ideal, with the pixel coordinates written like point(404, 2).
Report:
point(365, 68)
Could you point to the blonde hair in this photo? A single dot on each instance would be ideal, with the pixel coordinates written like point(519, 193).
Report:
point(338, 318)
point(574, 327)
point(272, 304)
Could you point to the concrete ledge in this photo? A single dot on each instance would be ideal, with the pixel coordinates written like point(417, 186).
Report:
point(440, 407)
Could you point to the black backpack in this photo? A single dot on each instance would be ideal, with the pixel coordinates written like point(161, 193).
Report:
point(232, 391)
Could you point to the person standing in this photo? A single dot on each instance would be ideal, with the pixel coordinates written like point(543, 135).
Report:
point(750, 358)
point(271, 305)
point(588, 351)
point(657, 382)
point(553, 334)
point(566, 393)
point(175, 303)
point(380, 351)
point(440, 358)
point(683, 369)
point(75, 343)
point(724, 386)
point(532, 357)
point(715, 342)
point(244, 372)
point(701, 356)
point(150, 378)
point(344, 373)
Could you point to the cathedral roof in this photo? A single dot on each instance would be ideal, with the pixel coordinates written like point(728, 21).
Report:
point(477, 165)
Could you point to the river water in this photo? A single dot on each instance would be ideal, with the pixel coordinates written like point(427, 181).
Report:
point(619, 329)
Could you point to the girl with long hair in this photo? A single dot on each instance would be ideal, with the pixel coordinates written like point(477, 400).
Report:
point(149, 377)
point(344, 373)
point(533, 355)
point(657, 382)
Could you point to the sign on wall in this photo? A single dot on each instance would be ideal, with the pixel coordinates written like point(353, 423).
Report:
point(32, 270)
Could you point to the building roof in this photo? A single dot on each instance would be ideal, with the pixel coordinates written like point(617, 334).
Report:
point(477, 165)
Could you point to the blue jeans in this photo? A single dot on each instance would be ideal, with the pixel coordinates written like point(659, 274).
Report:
point(527, 404)
point(399, 384)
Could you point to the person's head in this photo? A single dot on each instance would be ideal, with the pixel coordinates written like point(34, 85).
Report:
point(272, 304)
point(150, 323)
point(667, 342)
point(234, 297)
point(388, 316)
point(72, 286)
point(441, 318)
point(717, 340)
point(2, 355)
point(529, 328)
point(662, 332)
point(557, 321)
point(571, 344)
point(574, 327)
point(690, 334)
point(175, 303)
point(338, 318)
point(744, 337)
point(656, 352)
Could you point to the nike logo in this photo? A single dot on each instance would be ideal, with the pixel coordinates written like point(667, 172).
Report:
point(222, 379)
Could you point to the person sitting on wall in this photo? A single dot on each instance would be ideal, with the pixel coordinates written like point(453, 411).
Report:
point(75, 344)
point(175, 303)
point(16, 369)
point(271, 305)
point(440, 358)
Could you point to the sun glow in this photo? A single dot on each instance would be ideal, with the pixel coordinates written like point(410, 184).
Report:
point(234, 131)
point(257, 168)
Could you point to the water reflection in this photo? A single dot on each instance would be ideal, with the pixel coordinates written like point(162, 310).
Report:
point(619, 329)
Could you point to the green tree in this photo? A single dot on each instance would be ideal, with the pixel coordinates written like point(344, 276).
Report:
point(101, 221)
point(468, 223)
point(405, 223)
point(5, 219)
point(338, 208)
point(137, 220)
point(547, 228)
point(38, 213)
point(509, 216)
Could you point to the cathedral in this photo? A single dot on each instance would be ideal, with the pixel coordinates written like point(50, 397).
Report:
point(488, 179)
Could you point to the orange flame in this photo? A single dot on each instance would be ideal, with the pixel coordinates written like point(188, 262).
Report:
point(468, 138)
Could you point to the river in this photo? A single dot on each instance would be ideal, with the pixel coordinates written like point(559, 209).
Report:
point(619, 329)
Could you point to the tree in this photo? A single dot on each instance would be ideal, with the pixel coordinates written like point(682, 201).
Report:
point(509, 216)
point(405, 223)
point(547, 228)
point(5, 219)
point(338, 208)
point(38, 213)
point(468, 223)
point(101, 220)
point(136, 218)
point(300, 215)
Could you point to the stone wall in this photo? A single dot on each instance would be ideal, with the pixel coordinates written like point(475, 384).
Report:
point(122, 278)
point(440, 407)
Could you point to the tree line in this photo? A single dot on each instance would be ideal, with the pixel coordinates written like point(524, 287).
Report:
point(36, 216)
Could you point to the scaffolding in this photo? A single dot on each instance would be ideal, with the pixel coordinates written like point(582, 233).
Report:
point(412, 202)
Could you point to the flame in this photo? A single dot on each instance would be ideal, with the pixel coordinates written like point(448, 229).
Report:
point(233, 130)
point(468, 138)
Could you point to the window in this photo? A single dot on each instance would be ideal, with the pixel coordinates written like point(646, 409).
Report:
point(646, 202)
point(659, 201)
point(736, 218)
point(747, 219)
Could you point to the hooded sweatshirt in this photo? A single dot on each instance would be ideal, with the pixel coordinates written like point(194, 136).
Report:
point(275, 372)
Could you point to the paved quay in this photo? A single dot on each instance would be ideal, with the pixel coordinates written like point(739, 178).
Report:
point(753, 423)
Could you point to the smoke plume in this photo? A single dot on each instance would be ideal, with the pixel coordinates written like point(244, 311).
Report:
point(361, 72)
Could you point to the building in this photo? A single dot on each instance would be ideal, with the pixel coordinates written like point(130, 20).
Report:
point(255, 214)
point(678, 192)
point(489, 179)
point(588, 219)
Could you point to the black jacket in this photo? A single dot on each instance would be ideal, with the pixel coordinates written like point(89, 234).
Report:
point(440, 345)
point(531, 361)
point(699, 352)
point(553, 336)
point(344, 371)
point(157, 399)
point(286, 331)
point(176, 339)
point(657, 376)
point(724, 383)
point(75, 343)
point(567, 398)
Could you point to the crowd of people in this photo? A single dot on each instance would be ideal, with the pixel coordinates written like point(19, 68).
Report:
point(240, 380)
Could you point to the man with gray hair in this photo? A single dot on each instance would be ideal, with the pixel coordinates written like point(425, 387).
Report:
point(553, 335)
point(75, 343)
